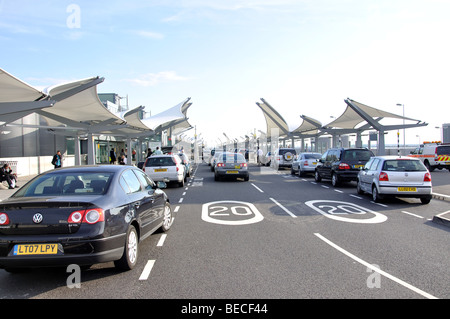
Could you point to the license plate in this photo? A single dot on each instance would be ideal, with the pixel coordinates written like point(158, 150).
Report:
point(232, 172)
point(160, 170)
point(237, 166)
point(36, 249)
point(407, 189)
point(358, 166)
point(314, 163)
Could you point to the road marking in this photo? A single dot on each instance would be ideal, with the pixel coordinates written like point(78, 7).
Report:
point(161, 240)
point(325, 186)
point(355, 196)
point(372, 267)
point(405, 212)
point(379, 204)
point(186, 188)
point(231, 213)
point(181, 200)
point(339, 191)
point(176, 209)
point(257, 187)
point(184, 193)
point(283, 208)
point(147, 269)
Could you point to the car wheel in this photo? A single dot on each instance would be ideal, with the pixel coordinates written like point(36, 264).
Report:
point(376, 197)
point(247, 178)
point(425, 200)
point(130, 251)
point(167, 218)
point(181, 184)
point(358, 188)
point(334, 180)
point(317, 176)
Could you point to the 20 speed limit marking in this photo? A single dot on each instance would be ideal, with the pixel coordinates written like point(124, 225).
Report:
point(231, 213)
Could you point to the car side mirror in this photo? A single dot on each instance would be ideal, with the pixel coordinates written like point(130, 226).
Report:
point(160, 185)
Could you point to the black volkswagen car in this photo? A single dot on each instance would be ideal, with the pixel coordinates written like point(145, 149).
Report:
point(81, 215)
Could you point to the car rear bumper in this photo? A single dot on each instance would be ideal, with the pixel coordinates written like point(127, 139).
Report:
point(420, 191)
point(231, 173)
point(71, 251)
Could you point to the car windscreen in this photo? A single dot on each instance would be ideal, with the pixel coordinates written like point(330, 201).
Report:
point(357, 155)
point(443, 150)
point(160, 161)
point(400, 165)
point(312, 156)
point(232, 158)
point(67, 184)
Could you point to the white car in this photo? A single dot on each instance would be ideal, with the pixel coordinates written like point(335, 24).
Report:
point(166, 168)
point(394, 176)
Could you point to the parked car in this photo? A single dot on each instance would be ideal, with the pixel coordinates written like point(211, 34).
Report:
point(305, 163)
point(166, 168)
point(341, 164)
point(81, 215)
point(395, 176)
point(283, 158)
point(231, 165)
point(266, 159)
point(187, 163)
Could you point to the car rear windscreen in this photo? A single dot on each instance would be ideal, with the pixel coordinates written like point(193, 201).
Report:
point(443, 150)
point(159, 161)
point(404, 166)
point(357, 155)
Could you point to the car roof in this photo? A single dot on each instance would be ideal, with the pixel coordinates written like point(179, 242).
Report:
point(89, 168)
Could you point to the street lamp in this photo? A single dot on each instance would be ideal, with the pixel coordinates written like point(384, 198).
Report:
point(403, 106)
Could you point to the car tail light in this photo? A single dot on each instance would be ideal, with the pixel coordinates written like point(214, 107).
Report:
point(93, 216)
point(220, 164)
point(89, 216)
point(76, 217)
point(427, 177)
point(178, 168)
point(305, 163)
point(4, 219)
point(344, 166)
point(243, 165)
point(383, 177)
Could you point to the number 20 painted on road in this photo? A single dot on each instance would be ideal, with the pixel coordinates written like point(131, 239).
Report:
point(212, 212)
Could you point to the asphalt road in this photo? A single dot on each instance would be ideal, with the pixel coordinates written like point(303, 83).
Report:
point(275, 237)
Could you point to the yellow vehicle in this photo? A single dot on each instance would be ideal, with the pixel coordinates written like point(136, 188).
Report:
point(433, 154)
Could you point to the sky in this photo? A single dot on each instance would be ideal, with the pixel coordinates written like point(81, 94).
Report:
point(304, 57)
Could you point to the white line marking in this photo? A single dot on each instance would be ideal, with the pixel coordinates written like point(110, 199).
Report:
point(304, 179)
point(325, 186)
point(147, 269)
point(355, 196)
point(405, 212)
point(186, 188)
point(176, 209)
point(161, 240)
point(181, 200)
point(379, 204)
point(381, 272)
point(314, 183)
point(339, 191)
point(283, 208)
point(184, 193)
point(257, 187)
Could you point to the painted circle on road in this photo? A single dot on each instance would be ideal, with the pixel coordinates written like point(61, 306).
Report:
point(231, 213)
point(341, 211)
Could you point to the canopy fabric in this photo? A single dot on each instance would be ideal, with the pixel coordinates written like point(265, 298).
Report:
point(81, 106)
point(350, 119)
point(309, 126)
point(275, 123)
point(17, 98)
point(173, 115)
point(14, 90)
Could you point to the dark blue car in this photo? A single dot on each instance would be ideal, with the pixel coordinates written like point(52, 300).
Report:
point(81, 215)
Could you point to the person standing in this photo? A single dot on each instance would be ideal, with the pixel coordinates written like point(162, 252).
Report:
point(57, 159)
point(112, 156)
point(6, 174)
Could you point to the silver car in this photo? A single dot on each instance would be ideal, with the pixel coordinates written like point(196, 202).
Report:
point(394, 176)
point(305, 163)
point(166, 168)
point(231, 165)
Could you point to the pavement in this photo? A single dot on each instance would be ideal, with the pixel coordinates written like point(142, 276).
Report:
point(441, 192)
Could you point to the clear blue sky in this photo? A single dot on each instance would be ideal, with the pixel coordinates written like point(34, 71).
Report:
point(302, 56)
